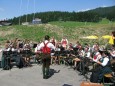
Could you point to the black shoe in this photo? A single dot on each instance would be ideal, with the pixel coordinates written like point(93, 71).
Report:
point(44, 77)
point(48, 76)
point(74, 68)
point(80, 73)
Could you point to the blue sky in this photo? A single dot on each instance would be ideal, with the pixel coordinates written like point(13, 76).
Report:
point(14, 8)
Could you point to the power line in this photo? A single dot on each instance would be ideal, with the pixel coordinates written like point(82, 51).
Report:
point(20, 11)
point(27, 11)
point(34, 11)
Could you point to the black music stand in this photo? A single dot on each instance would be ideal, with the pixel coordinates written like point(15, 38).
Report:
point(27, 53)
point(83, 70)
point(6, 55)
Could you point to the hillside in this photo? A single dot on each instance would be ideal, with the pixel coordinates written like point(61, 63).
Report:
point(104, 10)
point(94, 15)
point(72, 30)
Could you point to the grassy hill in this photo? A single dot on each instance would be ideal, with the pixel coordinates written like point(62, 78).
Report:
point(104, 10)
point(72, 30)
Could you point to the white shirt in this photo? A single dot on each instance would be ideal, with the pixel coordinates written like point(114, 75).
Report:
point(113, 53)
point(98, 56)
point(105, 61)
point(88, 54)
point(36, 49)
point(50, 45)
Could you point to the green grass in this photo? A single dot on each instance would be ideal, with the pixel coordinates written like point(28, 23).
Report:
point(72, 30)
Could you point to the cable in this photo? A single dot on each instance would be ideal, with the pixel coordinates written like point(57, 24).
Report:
point(34, 11)
point(27, 11)
point(20, 11)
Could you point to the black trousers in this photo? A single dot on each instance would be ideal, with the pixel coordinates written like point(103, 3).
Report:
point(46, 59)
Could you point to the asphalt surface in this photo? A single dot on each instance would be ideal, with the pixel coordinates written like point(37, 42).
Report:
point(61, 75)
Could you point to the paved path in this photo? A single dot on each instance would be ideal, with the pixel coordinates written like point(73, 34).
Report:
point(32, 76)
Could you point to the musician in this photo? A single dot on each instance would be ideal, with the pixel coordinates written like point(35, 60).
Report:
point(46, 57)
point(112, 39)
point(70, 47)
point(96, 45)
point(64, 42)
point(86, 60)
point(53, 41)
point(112, 53)
point(6, 48)
point(104, 63)
point(20, 45)
point(87, 53)
point(79, 58)
point(55, 55)
point(10, 53)
point(37, 52)
point(96, 54)
point(27, 51)
point(77, 43)
point(58, 52)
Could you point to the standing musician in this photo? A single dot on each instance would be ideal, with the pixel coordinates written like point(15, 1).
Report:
point(45, 48)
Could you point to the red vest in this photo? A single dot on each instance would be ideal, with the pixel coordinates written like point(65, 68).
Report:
point(45, 49)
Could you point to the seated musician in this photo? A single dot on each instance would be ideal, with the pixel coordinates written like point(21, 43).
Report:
point(20, 45)
point(5, 54)
point(11, 53)
point(96, 45)
point(96, 54)
point(37, 53)
point(70, 49)
point(57, 55)
point(112, 53)
point(64, 42)
point(104, 67)
point(27, 51)
point(53, 41)
point(86, 61)
point(80, 56)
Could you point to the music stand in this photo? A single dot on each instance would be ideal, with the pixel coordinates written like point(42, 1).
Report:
point(83, 69)
point(6, 56)
point(27, 54)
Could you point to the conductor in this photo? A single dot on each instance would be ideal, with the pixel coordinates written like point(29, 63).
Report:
point(46, 48)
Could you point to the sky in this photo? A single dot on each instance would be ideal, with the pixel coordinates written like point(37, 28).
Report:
point(14, 8)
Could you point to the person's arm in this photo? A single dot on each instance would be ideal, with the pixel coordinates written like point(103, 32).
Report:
point(104, 63)
point(52, 46)
point(67, 41)
point(36, 49)
point(40, 46)
point(88, 55)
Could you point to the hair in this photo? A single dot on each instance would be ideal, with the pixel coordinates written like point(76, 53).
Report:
point(105, 52)
point(113, 32)
point(47, 37)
